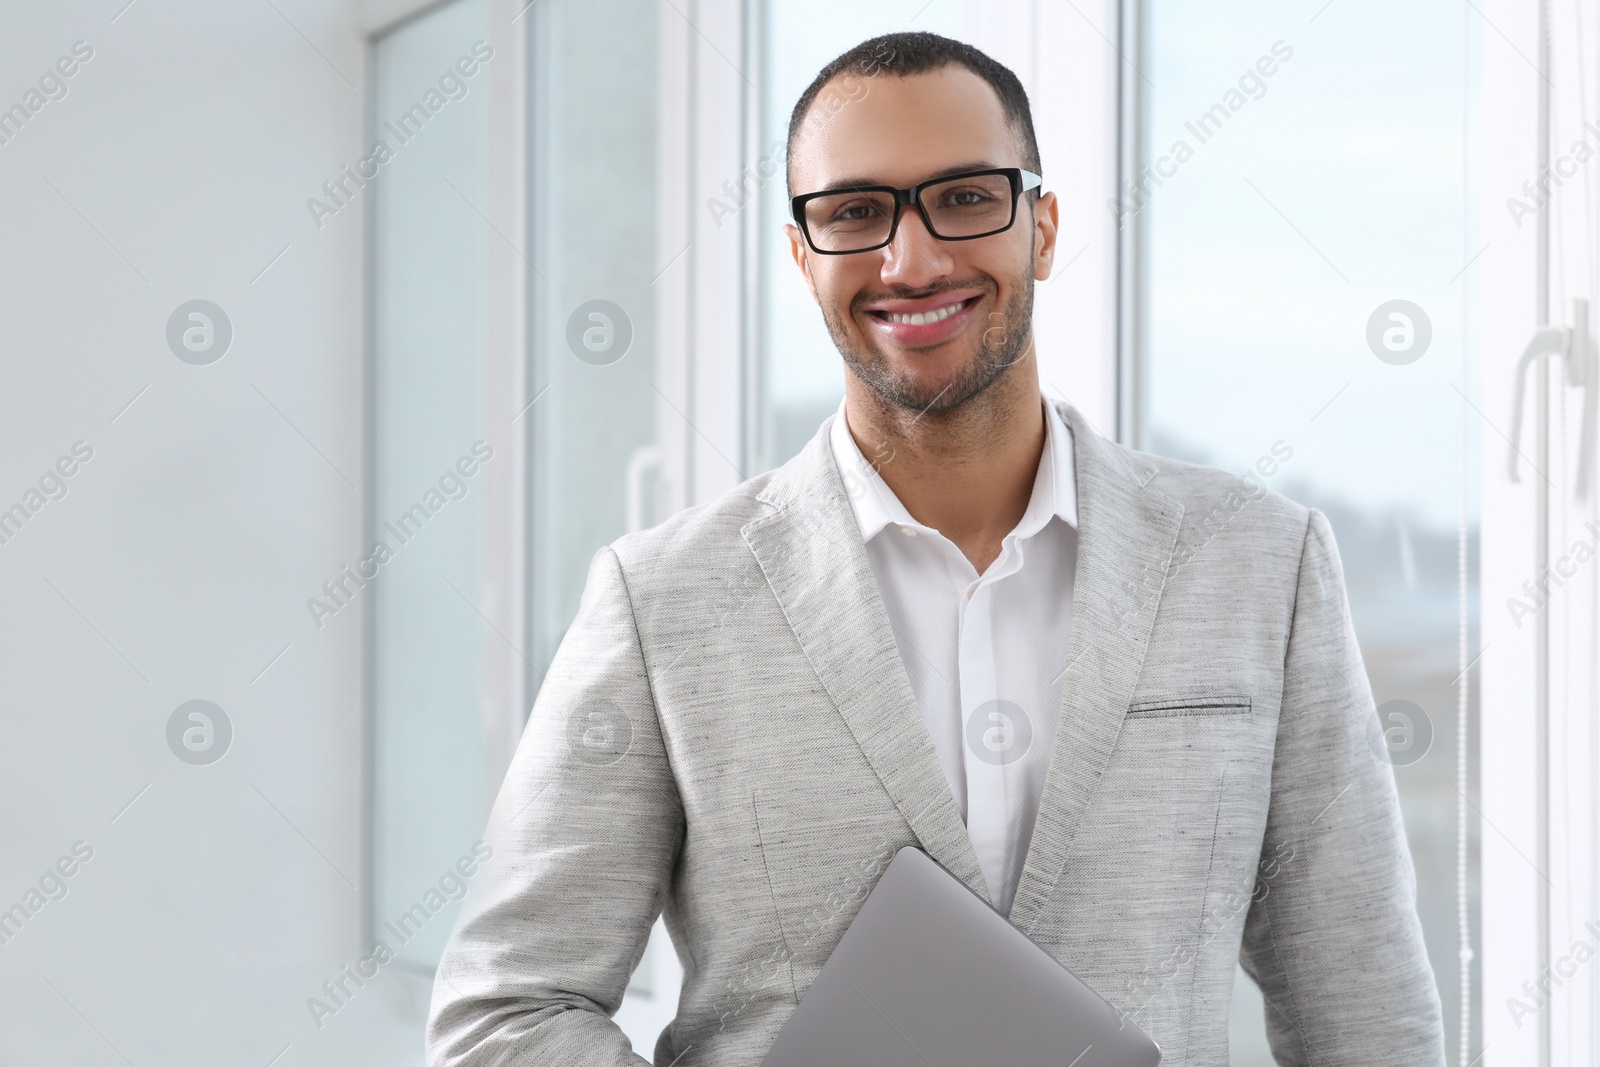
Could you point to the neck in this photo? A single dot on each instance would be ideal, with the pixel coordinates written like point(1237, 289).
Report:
point(968, 472)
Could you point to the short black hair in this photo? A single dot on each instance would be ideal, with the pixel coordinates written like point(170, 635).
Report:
point(904, 54)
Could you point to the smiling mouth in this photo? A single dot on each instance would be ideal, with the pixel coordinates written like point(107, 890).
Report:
point(923, 318)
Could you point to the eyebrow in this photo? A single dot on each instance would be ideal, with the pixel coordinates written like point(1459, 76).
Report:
point(846, 184)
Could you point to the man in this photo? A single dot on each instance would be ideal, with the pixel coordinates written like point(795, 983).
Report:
point(1118, 696)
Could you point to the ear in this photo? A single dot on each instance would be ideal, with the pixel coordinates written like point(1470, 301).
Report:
point(802, 259)
point(1046, 218)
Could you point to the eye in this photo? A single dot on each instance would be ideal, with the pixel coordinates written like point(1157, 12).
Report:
point(965, 197)
point(856, 211)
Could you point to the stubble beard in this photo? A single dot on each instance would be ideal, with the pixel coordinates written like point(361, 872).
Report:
point(1001, 344)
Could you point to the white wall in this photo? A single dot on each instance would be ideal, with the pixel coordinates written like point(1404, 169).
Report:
point(178, 564)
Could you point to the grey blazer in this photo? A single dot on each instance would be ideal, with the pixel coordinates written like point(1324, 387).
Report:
point(727, 734)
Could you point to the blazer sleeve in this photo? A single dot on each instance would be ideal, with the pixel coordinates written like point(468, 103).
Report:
point(585, 833)
point(1332, 937)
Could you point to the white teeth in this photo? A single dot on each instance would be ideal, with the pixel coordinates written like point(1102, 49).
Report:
point(923, 318)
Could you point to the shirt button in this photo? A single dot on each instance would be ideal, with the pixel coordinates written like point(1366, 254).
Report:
point(908, 531)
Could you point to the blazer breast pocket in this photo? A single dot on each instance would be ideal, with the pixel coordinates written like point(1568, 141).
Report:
point(1185, 707)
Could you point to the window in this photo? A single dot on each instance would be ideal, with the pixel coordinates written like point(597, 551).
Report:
point(593, 460)
point(426, 433)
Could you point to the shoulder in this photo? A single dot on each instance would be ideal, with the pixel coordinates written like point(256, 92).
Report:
point(1235, 525)
point(1211, 495)
point(1211, 498)
point(703, 537)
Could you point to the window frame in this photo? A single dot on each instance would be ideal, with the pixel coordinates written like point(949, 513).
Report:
point(503, 593)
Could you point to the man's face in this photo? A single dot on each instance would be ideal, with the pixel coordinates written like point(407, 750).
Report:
point(902, 132)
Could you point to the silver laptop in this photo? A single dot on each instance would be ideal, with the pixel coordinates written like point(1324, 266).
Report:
point(930, 975)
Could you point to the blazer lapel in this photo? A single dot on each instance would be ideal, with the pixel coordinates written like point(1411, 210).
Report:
point(1127, 533)
point(812, 555)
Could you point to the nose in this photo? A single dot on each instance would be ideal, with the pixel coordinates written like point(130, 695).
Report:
point(915, 258)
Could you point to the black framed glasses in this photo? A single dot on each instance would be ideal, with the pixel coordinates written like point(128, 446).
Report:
point(957, 207)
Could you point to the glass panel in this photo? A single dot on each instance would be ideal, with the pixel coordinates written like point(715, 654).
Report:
point(593, 177)
point(1307, 224)
point(427, 256)
point(800, 373)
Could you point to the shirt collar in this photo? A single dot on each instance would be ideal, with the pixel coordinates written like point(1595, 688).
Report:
point(1055, 491)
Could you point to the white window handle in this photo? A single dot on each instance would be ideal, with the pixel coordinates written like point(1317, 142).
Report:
point(644, 459)
point(1573, 344)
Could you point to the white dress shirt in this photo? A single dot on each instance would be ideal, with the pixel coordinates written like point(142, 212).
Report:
point(986, 654)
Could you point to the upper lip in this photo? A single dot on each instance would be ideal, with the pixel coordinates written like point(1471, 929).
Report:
point(925, 303)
